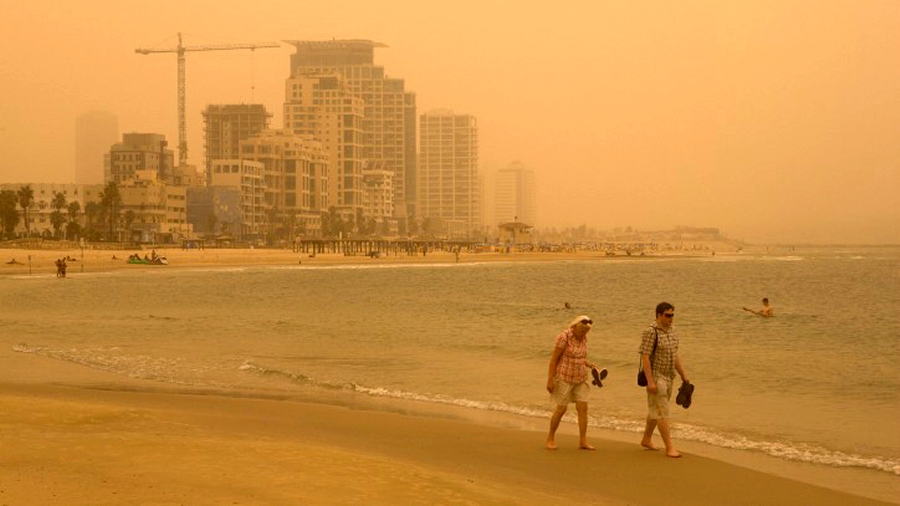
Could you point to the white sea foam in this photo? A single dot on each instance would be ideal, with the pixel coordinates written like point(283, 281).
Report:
point(796, 452)
point(441, 399)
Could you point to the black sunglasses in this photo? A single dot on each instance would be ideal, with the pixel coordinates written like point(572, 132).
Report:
point(669, 315)
point(587, 322)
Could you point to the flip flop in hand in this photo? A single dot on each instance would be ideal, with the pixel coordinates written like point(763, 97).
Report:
point(685, 392)
point(598, 376)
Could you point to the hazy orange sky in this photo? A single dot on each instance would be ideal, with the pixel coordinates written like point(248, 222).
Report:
point(776, 121)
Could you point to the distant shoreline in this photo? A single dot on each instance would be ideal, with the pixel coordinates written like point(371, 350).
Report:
point(41, 261)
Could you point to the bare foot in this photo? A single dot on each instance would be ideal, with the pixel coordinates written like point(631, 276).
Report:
point(551, 445)
point(649, 446)
point(673, 454)
point(585, 446)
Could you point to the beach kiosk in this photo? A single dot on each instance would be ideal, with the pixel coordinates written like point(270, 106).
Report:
point(515, 233)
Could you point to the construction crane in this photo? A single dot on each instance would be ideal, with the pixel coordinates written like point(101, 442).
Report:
point(181, 49)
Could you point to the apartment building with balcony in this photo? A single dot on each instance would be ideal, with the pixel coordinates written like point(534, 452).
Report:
point(388, 126)
point(225, 126)
point(448, 183)
point(321, 106)
point(295, 175)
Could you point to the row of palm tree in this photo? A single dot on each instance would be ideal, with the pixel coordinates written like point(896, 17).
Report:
point(65, 217)
point(101, 220)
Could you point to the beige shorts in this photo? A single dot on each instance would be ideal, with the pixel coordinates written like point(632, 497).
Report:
point(658, 403)
point(565, 393)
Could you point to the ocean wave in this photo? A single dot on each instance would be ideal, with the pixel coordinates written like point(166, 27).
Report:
point(293, 378)
point(441, 399)
point(112, 360)
point(798, 452)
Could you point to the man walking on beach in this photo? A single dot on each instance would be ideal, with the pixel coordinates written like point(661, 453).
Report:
point(660, 360)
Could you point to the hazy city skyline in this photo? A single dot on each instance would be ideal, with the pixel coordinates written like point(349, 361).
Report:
point(774, 121)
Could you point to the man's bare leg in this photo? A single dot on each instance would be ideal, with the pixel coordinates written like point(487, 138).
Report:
point(647, 441)
point(582, 408)
point(554, 424)
point(667, 438)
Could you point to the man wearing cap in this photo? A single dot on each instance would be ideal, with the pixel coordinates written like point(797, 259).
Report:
point(567, 378)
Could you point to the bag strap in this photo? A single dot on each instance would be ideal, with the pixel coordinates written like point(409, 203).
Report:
point(655, 342)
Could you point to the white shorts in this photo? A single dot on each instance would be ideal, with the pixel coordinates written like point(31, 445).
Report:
point(565, 393)
point(658, 403)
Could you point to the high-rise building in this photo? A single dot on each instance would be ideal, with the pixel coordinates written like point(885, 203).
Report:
point(447, 181)
point(321, 106)
point(295, 177)
point(388, 124)
point(226, 125)
point(138, 152)
point(95, 132)
point(515, 195)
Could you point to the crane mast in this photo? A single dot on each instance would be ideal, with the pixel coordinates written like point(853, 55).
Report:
point(180, 50)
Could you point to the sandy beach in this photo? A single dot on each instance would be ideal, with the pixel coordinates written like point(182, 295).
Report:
point(41, 261)
point(74, 435)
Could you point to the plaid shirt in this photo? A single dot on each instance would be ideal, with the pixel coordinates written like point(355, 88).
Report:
point(663, 360)
point(570, 367)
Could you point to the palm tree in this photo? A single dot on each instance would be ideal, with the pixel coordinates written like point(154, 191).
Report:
point(92, 211)
point(130, 217)
point(59, 201)
point(9, 217)
point(111, 201)
point(56, 217)
point(72, 228)
point(26, 198)
point(332, 223)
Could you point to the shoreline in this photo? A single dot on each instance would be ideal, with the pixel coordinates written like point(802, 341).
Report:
point(82, 436)
point(32, 262)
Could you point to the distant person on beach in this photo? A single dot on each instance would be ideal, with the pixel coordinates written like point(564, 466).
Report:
point(660, 359)
point(766, 311)
point(60, 268)
point(567, 378)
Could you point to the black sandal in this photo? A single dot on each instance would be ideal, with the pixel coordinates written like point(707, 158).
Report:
point(685, 392)
point(599, 376)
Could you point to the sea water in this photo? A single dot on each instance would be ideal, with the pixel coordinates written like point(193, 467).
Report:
point(817, 383)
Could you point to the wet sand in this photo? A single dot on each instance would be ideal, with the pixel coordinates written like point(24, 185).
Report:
point(71, 435)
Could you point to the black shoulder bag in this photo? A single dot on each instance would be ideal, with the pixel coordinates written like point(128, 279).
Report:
point(641, 377)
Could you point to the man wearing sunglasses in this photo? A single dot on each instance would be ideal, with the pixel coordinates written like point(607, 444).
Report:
point(660, 360)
